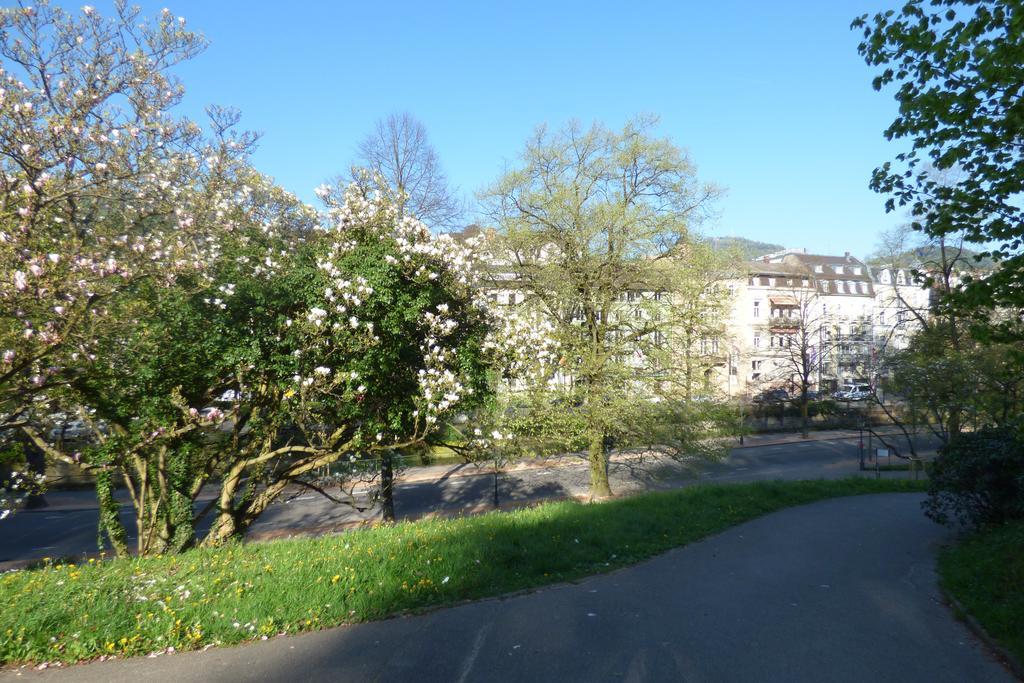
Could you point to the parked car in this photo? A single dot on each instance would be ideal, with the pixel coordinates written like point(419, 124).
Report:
point(854, 392)
point(772, 396)
point(74, 430)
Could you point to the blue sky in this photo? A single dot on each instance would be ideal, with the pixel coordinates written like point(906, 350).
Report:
point(771, 99)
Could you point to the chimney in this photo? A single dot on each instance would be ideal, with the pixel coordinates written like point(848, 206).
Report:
point(847, 255)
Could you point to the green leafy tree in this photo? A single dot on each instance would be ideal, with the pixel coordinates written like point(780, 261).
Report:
point(958, 68)
point(954, 383)
point(594, 229)
point(944, 379)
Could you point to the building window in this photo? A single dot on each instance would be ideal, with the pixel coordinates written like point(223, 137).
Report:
point(757, 309)
point(805, 282)
point(856, 270)
point(757, 341)
point(819, 269)
point(839, 287)
point(838, 269)
point(755, 365)
point(708, 346)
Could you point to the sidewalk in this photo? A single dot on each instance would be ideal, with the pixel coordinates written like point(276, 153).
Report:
point(65, 500)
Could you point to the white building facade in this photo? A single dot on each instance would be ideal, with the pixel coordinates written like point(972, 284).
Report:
point(834, 315)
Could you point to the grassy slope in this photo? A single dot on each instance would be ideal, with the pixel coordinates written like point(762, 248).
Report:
point(240, 592)
point(986, 574)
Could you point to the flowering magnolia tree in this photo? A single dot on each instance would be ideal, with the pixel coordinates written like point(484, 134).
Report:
point(327, 347)
point(100, 188)
point(200, 326)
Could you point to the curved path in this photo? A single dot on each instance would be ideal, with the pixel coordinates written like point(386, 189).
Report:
point(841, 590)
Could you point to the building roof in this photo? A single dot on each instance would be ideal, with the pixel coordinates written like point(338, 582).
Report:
point(773, 268)
point(469, 232)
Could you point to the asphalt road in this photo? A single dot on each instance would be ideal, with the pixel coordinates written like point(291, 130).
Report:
point(69, 528)
point(840, 590)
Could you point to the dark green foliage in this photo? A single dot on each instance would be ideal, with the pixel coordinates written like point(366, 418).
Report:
point(978, 479)
point(958, 68)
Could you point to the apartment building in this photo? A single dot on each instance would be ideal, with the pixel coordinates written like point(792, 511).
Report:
point(792, 314)
point(820, 316)
point(901, 302)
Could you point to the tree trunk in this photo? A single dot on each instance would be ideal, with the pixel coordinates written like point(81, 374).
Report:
point(110, 520)
point(803, 416)
point(225, 524)
point(497, 472)
point(36, 461)
point(223, 529)
point(598, 458)
point(387, 487)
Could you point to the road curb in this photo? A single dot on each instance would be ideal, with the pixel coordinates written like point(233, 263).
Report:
point(1002, 654)
point(798, 439)
point(464, 470)
point(565, 460)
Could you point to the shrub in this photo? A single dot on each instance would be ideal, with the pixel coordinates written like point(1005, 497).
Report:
point(978, 479)
point(826, 407)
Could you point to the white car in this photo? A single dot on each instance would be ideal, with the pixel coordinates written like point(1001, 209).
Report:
point(73, 430)
point(855, 392)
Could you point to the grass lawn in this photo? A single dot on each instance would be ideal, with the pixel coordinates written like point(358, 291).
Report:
point(248, 591)
point(986, 574)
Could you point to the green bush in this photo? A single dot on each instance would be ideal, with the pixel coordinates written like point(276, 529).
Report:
point(978, 480)
point(826, 407)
